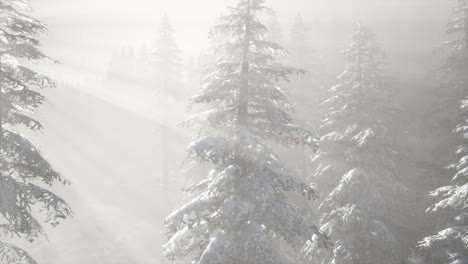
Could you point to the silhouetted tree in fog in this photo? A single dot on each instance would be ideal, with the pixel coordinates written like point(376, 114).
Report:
point(167, 67)
point(275, 30)
point(129, 70)
point(307, 91)
point(300, 44)
point(240, 213)
point(356, 166)
point(451, 244)
point(22, 167)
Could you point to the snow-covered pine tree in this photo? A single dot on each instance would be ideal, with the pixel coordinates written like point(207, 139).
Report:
point(451, 244)
point(167, 66)
point(240, 213)
point(23, 170)
point(356, 165)
point(444, 114)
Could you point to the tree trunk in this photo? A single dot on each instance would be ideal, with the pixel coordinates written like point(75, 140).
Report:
point(243, 107)
point(242, 117)
point(360, 78)
point(359, 63)
point(2, 106)
point(466, 49)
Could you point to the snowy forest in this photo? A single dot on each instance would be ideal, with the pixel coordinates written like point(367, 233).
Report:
point(234, 132)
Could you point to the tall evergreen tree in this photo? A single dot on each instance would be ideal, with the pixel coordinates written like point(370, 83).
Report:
point(240, 213)
point(451, 244)
point(444, 114)
point(22, 167)
point(167, 57)
point(356, 163)
point(167, 79)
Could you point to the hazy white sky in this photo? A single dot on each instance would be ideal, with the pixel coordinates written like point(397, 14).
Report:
point(83, 34)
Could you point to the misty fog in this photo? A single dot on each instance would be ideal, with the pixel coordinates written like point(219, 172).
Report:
point(175, 154)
